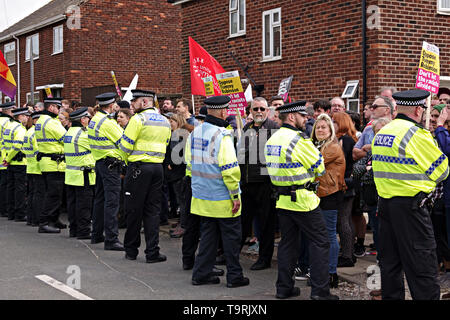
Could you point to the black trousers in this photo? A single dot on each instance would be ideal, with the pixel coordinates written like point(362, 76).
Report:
point(143, 192)
point(36, 192)
point(257, 202)
point(406, 241)
point(106, 203)
point(3, 188)
point(210, 229)
point(312, 224)
point(440, 231)
point(54, 188)
point(17, 190)
point(79, 207)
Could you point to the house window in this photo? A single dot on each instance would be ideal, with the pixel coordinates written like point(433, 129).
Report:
point(272, 34)
point(35, 38)
point(36, 97)
point(10, 53)
point(444, 6)
point(237, 18)
point(57, 39)
point(7, 99)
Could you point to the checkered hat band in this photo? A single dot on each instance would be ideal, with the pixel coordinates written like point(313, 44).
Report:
point(294, 109)
point(79, 116)
point(103, 103)
point(218, 106)
point(20, 112)
point(410, 103)
point(35, 116)
point(57, 102)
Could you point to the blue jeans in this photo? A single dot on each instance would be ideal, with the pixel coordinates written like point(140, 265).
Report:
point(330, 217)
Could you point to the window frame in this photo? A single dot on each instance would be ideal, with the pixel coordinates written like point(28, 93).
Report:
point(27, 47)
point(5, 52)
point(441, 10)
point(241, 30)
point(271, 13)
point(28, 96)
point(60, 38)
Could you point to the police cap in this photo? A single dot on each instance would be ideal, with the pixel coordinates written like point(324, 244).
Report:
point(56, 101)
point(411, 98)
point(297, 106)
point(79, 113)
point(141, 94)
point(105, 99)
point(20, 111)
point(36, 114)
point(8, 105)
point(218, 102)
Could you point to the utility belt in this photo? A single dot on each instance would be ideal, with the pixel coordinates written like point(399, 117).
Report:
point(113, 163)
point(291, 190)
point(53, 156)
point(19, 156)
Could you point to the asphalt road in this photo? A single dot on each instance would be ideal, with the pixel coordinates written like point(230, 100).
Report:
point(105, 275)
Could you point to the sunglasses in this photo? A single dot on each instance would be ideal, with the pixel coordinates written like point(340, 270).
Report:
point(259, 109)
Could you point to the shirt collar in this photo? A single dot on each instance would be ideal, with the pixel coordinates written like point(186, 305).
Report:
point(216, 121)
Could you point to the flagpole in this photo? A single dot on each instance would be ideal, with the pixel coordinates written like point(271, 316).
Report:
point(193, 104)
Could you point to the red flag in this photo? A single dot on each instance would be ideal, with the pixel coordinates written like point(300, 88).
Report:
point(202, 65)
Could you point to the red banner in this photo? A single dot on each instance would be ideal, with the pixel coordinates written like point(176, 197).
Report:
point(202, 65)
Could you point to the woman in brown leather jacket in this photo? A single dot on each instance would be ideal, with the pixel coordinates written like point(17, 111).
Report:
point(332, 184)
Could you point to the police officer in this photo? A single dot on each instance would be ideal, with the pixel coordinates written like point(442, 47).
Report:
point(144, 141)
point(293, 163)
point(80, 175)
point(49, 136)
point(15, 160)
point(211, 156)
point(36, 183)
point(104, 136)
point(5, 118)
point(407, 165)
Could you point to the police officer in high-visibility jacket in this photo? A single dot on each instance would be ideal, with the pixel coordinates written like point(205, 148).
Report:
point(49, 136)
point(144, 142)
point(80, 175)
point(15, 160)
point(407, 165)
point(5, 118)
point(293, 162)
point(215, 174)
point(104, 136)
point(36, 183)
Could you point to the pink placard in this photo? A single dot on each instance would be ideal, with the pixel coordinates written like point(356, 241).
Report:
point(428, 81)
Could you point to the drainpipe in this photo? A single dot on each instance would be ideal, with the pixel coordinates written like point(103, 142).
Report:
point(364, 51)
point(18, 70)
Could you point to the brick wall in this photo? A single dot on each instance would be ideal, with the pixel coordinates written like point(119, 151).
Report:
point(321, 43)
point(127, 37)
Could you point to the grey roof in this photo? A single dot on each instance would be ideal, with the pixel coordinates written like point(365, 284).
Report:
point(52, 9)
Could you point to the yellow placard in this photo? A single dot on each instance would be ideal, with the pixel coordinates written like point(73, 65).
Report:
point(209, 86)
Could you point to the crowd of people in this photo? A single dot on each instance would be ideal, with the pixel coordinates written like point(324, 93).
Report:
point(131, 165)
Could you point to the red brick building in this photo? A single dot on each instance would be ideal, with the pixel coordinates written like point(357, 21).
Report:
point(319, 42)
point(78, 43)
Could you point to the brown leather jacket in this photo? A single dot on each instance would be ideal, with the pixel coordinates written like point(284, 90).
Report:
point(333, 179)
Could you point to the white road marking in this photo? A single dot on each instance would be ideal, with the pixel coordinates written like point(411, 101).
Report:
point(62, 287)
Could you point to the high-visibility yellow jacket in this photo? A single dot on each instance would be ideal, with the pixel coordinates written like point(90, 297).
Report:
point(406, 160)
point(49, 134)
point(211, 160)
point(13, 136)
point(146, 137)
point(77, 152)
point(30, 149)
point(104, 137)
point(4, 120)
point(292, 160)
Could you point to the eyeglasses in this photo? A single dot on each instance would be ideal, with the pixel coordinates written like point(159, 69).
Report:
point(374, 106)
point(259, 109)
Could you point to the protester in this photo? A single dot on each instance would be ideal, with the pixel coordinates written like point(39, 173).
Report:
point(331, 185)
point(321, 106)
point(184, 108)
point(337, 105)
point(346, 133)
point(123, 116)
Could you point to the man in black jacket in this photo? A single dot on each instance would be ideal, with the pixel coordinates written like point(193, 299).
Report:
point(257, 197)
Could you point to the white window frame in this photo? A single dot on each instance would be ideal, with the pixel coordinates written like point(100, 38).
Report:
point(6, 49)
point(35, 99)
point(7, 99)
point(27, 47)
point(58, 39)
point(273, 25)
point(241, 30)
point(352, 83)
point(441, 9)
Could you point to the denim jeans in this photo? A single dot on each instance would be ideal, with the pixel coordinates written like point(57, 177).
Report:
point(330, 217)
